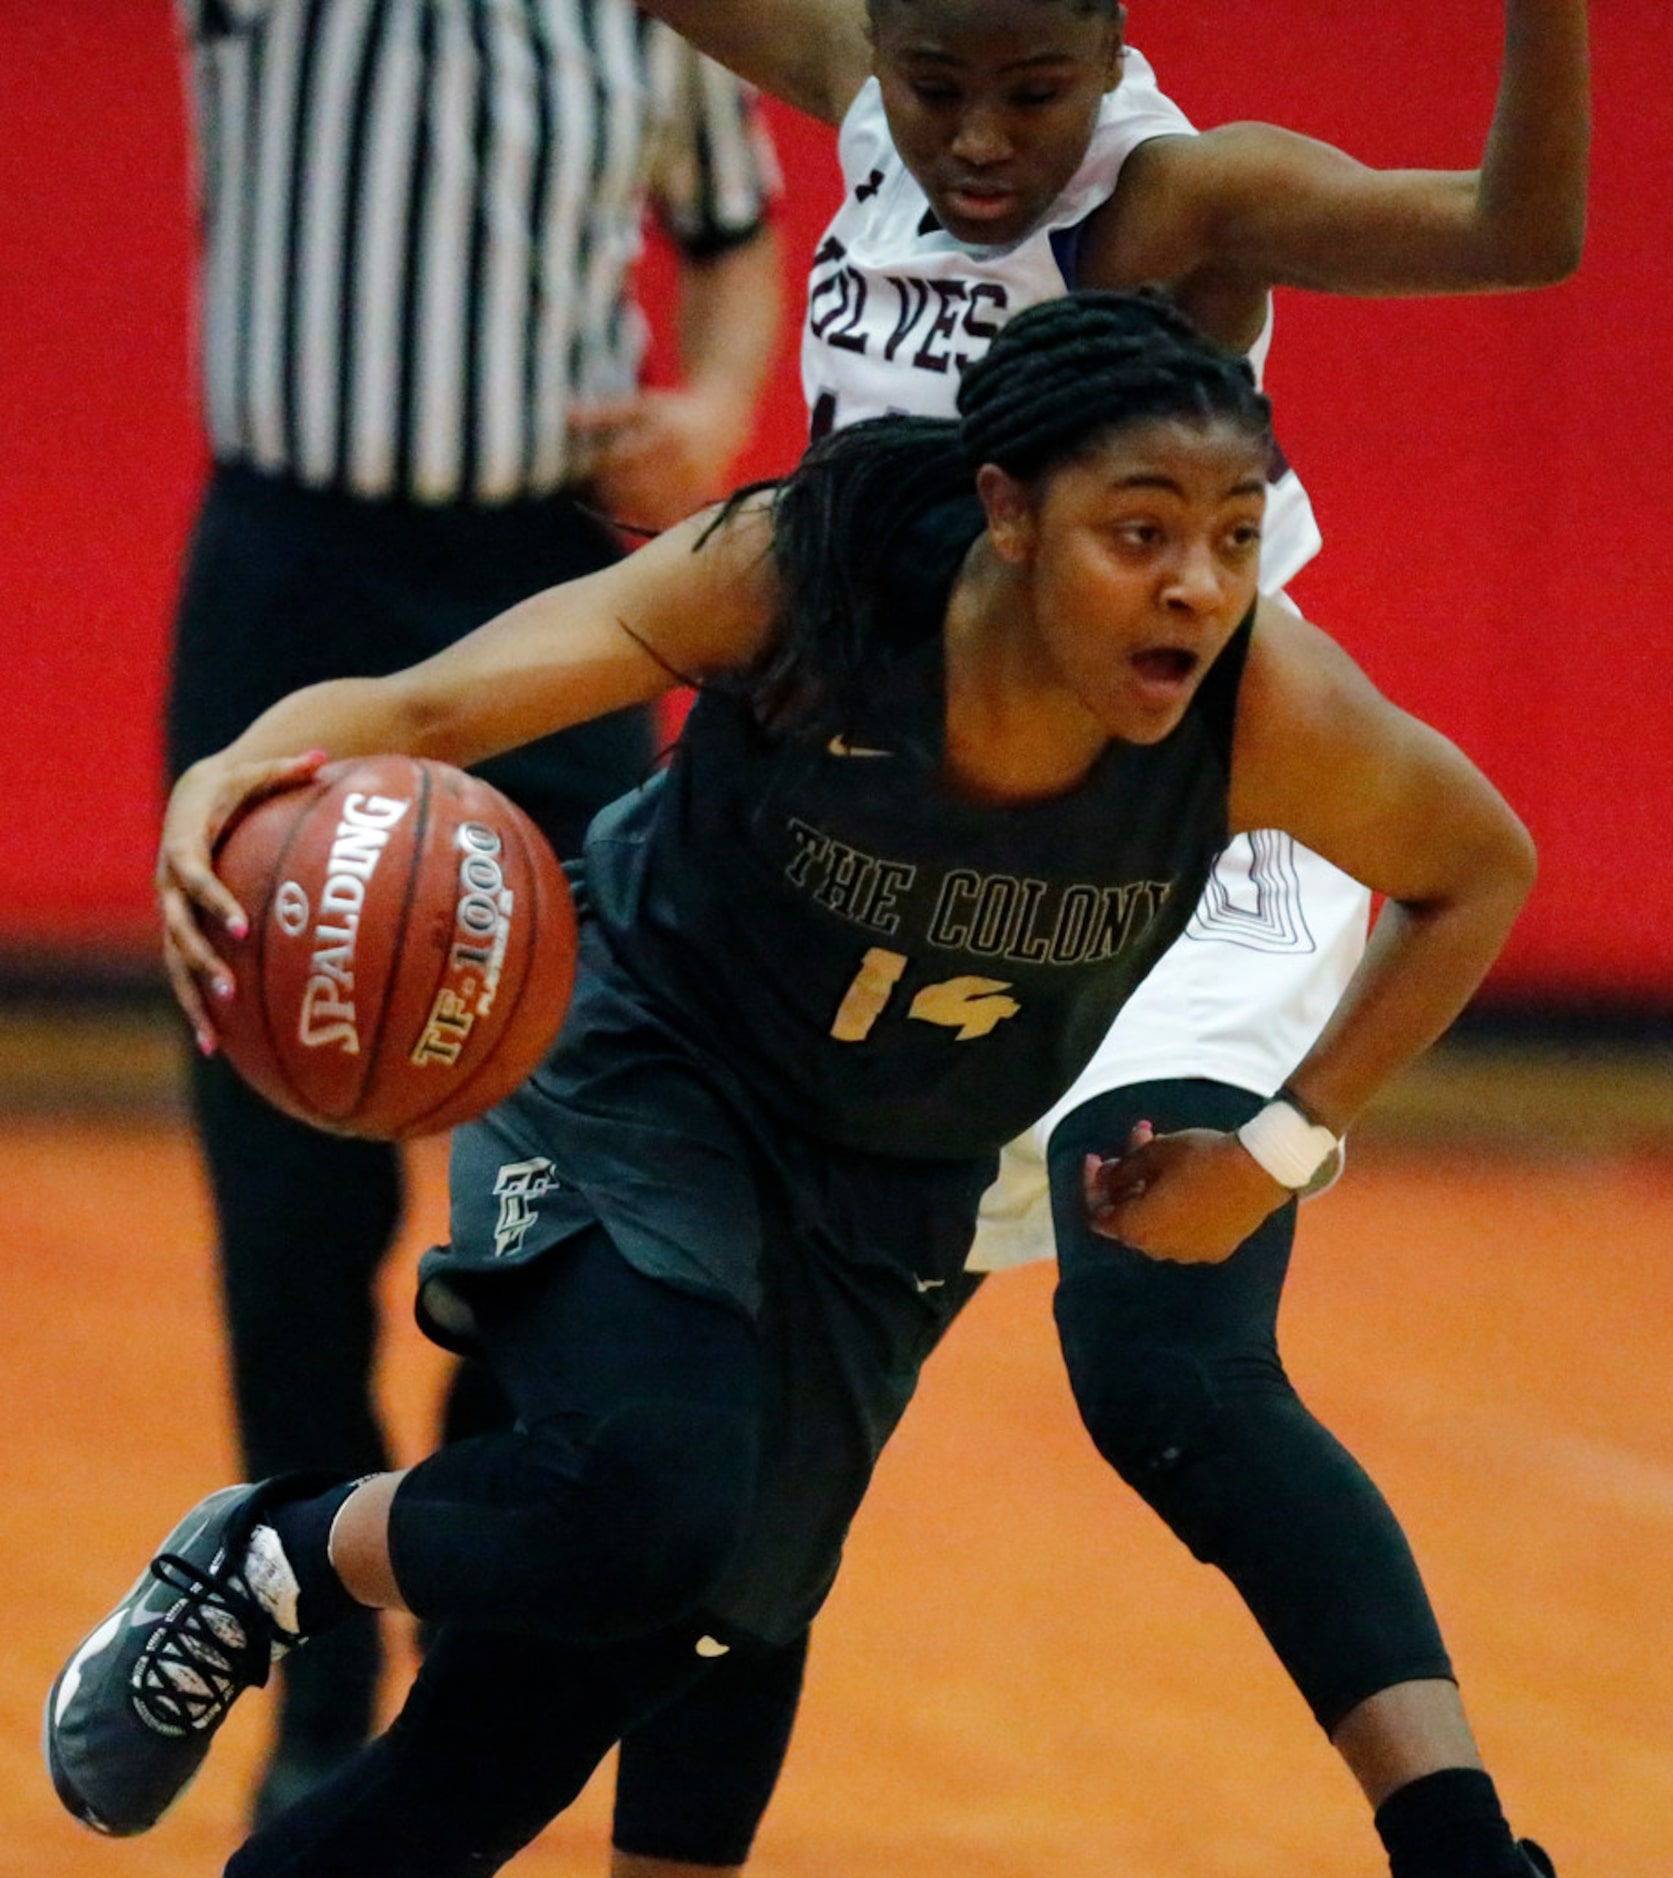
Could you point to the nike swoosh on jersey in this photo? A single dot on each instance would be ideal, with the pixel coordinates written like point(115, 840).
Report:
point(840, 746)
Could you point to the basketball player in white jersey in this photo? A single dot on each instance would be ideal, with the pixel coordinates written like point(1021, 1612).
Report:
point(995, 153)
point(896, 305)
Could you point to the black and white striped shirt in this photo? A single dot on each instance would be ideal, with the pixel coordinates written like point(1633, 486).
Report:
point(418, 219)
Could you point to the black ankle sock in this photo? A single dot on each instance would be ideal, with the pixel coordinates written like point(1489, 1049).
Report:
point(304, 1529)
point(1448, 1825)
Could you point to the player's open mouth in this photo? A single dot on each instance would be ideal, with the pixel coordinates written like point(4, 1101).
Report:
point(1164, 672)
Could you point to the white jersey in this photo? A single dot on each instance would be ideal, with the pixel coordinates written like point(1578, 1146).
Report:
point(896, 309)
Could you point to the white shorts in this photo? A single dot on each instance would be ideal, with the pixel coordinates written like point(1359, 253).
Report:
point(1239, 998)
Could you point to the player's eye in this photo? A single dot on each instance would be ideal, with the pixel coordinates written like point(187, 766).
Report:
point(1138, 534)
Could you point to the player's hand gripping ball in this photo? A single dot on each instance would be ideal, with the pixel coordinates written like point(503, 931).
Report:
point(411, 947)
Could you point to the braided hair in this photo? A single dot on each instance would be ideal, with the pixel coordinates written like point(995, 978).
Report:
point(870, 527)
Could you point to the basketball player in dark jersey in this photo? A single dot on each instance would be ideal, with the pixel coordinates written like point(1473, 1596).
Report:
point(995, 153)
point(979, 703)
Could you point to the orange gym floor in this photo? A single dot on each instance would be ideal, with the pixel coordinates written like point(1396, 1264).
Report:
point(1020, 1675)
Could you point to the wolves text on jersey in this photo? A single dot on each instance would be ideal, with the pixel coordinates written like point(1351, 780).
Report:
point(931, 316)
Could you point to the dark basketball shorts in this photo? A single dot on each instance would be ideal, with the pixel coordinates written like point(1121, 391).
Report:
point(849, 1266)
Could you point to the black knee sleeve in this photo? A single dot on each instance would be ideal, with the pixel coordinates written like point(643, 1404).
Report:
point(1152, 1414)
point(666, 1491)
point(498, 1735)
point(694, 1779)
point(1258, 1488)
point(1177, 1375)
point(585, 1531)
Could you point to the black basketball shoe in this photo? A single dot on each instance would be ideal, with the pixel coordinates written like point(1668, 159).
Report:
point(1539, 1862)
point(131, 1715)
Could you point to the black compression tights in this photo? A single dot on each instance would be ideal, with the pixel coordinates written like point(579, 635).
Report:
point(566, 1564)
point(624, 1493)
point(498, 1735)
point(1178, 1378)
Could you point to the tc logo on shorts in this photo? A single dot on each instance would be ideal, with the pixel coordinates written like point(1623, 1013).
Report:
point(517, 1187)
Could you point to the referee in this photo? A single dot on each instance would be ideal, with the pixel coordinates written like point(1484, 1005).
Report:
point(420, 364)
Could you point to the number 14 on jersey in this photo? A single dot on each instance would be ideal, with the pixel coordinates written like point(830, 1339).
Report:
point(970, 1005)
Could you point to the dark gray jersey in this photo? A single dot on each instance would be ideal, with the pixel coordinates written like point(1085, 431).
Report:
point(886, 966)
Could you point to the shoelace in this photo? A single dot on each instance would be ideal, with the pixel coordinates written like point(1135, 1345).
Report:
point(215, 1644)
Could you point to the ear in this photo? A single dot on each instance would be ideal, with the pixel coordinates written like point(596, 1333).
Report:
point(871, 21)
point(1010, 514)
point(1118, 48)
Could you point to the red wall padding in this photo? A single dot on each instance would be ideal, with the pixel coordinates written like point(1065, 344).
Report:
point(1490, 473)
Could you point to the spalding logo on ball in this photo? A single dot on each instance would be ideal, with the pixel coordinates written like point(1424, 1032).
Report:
point(411, 948)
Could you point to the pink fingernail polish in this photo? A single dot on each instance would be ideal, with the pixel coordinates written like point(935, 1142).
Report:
point(239, 927)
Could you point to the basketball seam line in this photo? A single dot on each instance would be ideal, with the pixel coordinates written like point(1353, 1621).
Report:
point(275, 877)
point(515, 825)
point(392, 978)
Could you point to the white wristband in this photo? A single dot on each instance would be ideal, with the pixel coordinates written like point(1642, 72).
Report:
point(1282, 1140)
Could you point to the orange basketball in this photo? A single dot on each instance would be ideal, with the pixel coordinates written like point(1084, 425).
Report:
point(411, 947)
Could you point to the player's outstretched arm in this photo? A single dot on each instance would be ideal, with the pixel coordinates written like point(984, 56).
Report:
point(1252, 206)
point(814, 54)
point(690, 602)
point(1321, 754)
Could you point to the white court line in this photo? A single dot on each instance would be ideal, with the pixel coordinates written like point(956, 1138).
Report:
point(1601, 1472)
point(1597, 1470)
